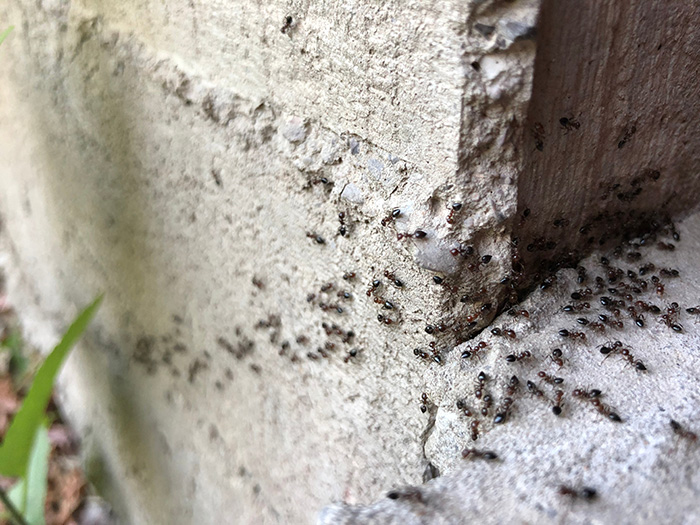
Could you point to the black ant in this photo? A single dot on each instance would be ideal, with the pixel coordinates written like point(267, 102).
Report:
point(316, 237)
point(572, 335)
point(682, 432)
point(425, 402)
point(585, 493)
point(472, 453)
point(569, 123)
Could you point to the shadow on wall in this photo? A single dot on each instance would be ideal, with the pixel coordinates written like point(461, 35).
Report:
point(95, 195)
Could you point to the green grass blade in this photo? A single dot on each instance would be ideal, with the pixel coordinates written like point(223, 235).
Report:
point(37, 473)
point(6, 32)
point(18, 496)
point(15, 450)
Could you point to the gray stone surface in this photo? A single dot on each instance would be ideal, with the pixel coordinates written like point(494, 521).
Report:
point(642, 470)
point(184, 158)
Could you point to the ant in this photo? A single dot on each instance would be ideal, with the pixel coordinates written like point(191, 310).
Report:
point(558, 395)
point(316, 237)
point(396, 282)
point(538, 134)
point(472, 453)
point(418, 234)
point(502, 413)
point(611, 322)
point(488, 400)
point(349, 276)
point(572, 335)
point(410, 494)
point(550, 379)
point(425, 402)
point(395, 214)
point(569, 123)
point(592, 397)
point(474, 427)
point(454, 208)
point(532, 389)
point(557, 358)
point(682, 432)
point(352, 353)
point(373, 287)
point(480, 382)
point(343, 229)
point(586, 493)
point(421, 354)
point(515, 313)
point(461, 405)
point(512, 358)
point(670, 318)
point(288, 25)
point(577, 307)
point(474, 350)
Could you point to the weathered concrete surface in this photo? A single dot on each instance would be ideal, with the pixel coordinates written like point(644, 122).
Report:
point(642, 470)
point(184, 160)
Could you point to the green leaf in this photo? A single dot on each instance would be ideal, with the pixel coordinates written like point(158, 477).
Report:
point(6, 32)
point(15, 450)
point(37, 473)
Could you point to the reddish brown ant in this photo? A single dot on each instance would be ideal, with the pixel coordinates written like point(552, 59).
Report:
point(557, 358)
point(512, 358)
point(474, 427)
point(550, 379)
point(504, 408)
point(424, 402)
point(461, 405)
point(480, 382)
point(577, 307)
point(556, 409)
point(487, 401)
point(474, 350)
point(395, 214)
point(670, 318)
point(454, 208)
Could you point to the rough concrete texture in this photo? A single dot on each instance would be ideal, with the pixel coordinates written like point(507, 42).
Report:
point(642, 470)
point(188, 160)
